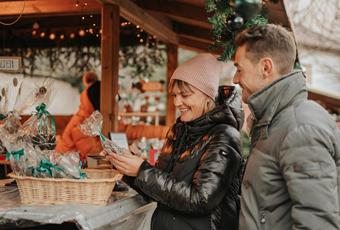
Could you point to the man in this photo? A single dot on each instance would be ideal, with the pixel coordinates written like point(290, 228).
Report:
point(291, 180)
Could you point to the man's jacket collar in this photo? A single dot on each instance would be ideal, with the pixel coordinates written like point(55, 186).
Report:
point(270, 100)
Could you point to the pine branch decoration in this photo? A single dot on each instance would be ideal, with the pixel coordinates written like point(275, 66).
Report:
point(223, 31)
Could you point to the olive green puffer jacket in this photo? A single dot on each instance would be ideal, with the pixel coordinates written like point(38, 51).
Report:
point(291, 179)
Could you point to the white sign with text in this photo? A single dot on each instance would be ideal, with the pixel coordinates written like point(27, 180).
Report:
point(10, 64)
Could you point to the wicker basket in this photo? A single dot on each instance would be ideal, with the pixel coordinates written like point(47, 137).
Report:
point(47, 191)
point(100, 173)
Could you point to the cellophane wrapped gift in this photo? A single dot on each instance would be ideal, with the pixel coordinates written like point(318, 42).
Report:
point(69, 164)
point(40, 129)
point(92, 126)
point(30, 147)
point(15, 98)
point(8, 135)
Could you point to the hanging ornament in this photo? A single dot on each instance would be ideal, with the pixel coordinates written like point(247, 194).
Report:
point(235, 22)
point(247, 8)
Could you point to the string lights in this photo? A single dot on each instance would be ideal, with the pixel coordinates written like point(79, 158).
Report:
point(80, 4)
point(91, 28)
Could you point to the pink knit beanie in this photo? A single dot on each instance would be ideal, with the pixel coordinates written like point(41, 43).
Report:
point(203, 72)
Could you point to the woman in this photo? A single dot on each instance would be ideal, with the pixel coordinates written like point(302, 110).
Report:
point(72, 138)
point(197, 177)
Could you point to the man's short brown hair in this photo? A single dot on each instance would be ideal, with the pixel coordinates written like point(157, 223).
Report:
point(272, 41)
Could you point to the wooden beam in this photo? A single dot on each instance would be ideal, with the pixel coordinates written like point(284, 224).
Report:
point(188, 42)
point(54, 22)
point(182, 12)
point(140, 17)
point(164, 20)
point(47, 7)
point(110, 65)
point(172, 54)
point(193, 32)
point(330, 103)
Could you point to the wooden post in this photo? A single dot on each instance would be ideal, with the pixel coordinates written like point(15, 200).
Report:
point(172, 54)
point(110, 64)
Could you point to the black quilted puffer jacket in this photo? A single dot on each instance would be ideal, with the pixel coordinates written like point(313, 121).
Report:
point(197, 177)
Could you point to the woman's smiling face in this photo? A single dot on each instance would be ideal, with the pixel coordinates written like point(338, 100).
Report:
point(190, 102)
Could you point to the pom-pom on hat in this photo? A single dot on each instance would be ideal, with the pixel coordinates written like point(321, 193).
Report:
point(202, 71)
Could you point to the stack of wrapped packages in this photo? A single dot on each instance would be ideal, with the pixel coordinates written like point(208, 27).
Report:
point(30, 146)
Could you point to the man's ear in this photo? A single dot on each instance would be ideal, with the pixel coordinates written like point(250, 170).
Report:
point(267, 67)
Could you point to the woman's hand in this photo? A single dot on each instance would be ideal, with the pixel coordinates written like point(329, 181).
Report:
point(127, 163)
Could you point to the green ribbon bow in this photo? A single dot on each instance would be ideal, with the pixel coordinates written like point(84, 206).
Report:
point(46, 167)
point(2, 116)
point(41, 110)
point(16, 154)
point(102, 137)
point(82, 175)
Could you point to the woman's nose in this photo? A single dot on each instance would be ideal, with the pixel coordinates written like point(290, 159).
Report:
point(177, 101)
point(236, 79)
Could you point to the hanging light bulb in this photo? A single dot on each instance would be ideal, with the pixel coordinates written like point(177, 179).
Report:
point(34, 32)
point(81, 33)
point(83, 18)
point(77, 3)
point(42, 34)
point(62, 37)
point(72, 35)
point(36, 26)
point(52, 36)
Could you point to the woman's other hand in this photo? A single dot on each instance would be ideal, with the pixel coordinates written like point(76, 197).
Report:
point(127, 163)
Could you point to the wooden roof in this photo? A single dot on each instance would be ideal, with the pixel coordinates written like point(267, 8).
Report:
point(180, 22)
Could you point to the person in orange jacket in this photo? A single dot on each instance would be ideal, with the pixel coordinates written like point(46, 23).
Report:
point(72, 138)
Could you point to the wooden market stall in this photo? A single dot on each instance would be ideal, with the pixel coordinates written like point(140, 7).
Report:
point(177, 23)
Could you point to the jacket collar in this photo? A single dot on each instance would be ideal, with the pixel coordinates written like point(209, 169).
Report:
point(228, 110)
point(270, 100)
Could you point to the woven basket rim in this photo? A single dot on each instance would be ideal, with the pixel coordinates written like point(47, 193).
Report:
point(115, 178)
